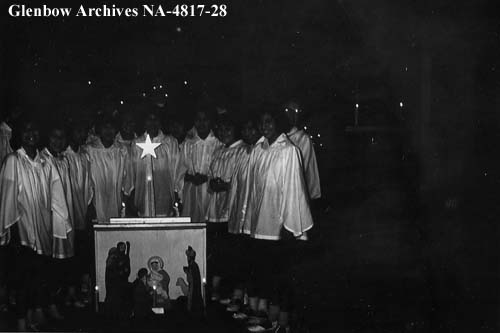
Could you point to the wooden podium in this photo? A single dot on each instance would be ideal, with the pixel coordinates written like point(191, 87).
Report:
point(167, 238)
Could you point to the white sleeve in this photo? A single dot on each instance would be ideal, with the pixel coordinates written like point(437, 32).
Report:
point(294, 209)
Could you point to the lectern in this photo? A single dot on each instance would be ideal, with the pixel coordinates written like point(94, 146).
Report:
point(167, 238)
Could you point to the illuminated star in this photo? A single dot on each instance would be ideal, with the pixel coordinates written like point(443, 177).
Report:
point(148, 147)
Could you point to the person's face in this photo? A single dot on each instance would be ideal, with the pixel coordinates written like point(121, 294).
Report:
point(249, 133)
point(108, 132)
point(226, 134)
point(177, 129)
point(30, 136)
point(127, 125)
point(79, 135)
point(121, 248)
point(292, 112)
point(57, 141)
point(152, 124)
point(268, 126)
point(202, 123)
point(155, 266)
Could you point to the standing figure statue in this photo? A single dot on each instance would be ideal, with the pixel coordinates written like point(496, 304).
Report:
point(195, 300)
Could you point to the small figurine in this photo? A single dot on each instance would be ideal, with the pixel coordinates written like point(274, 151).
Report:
point(123, 259)
point(158, 279)
point(116, 280)
point(142, 296)
point(195, 300)
point(112, 281)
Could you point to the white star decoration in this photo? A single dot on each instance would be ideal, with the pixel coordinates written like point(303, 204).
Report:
point(148, 147)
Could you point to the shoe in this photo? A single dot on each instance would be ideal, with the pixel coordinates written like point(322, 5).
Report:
point(37, 318)
point(54, 312)
point(70, 297)
point(79, 305)
point(85, 299)
point(21, 325)
point(33, 328)
point(225, 301)
point(12, 298)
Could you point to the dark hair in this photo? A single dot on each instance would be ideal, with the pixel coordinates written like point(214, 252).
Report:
point(102, 121)
point(280, 120)
point(57, 126)
point(205, 107)
point(142, 273)
point(226, 120)
point(250, 118)
point(176, 118)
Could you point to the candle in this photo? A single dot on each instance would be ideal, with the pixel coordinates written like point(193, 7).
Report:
point(154, 296)
point(96, 299)
point(356, 114)
point(204, 292)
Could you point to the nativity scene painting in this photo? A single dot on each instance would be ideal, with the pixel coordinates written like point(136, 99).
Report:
point(150, 290)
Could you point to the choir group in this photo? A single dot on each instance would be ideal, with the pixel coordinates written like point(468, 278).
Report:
point(251, 180)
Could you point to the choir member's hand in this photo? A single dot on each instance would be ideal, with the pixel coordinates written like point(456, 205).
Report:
point(189, 178)
point(200, 179)
point(204, 179)
point(224, 186)
point(213, 185)
point(91, 212)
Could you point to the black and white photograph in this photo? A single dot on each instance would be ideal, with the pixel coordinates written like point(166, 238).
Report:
point(249, 166)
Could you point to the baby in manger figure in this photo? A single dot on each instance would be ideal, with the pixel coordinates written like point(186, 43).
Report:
point(159, 280)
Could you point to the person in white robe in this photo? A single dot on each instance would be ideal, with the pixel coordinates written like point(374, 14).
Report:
point(277, 206)
point(5, 136)
point(221, 197)
point(223, 182)
point(81, 191)
point(250, 134)
point(62, 248)
point(152, 180)
point(33, 211)
point(196, 155)
point(303, 141)
point(277, 194)
point(79, 171)
point(65, 275)
point(108, 163)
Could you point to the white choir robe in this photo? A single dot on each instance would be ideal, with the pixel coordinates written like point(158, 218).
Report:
point(81, 188)
point(225, 164)
point(238, 211)
point(300, 139)
point(5, 136)
point(277, 194)
point(107, 171)
point(63, 247)
point(163, 178)
point(196, 156)
point(31, 195)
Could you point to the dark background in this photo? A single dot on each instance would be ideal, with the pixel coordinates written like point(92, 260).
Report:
point(406, 232)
